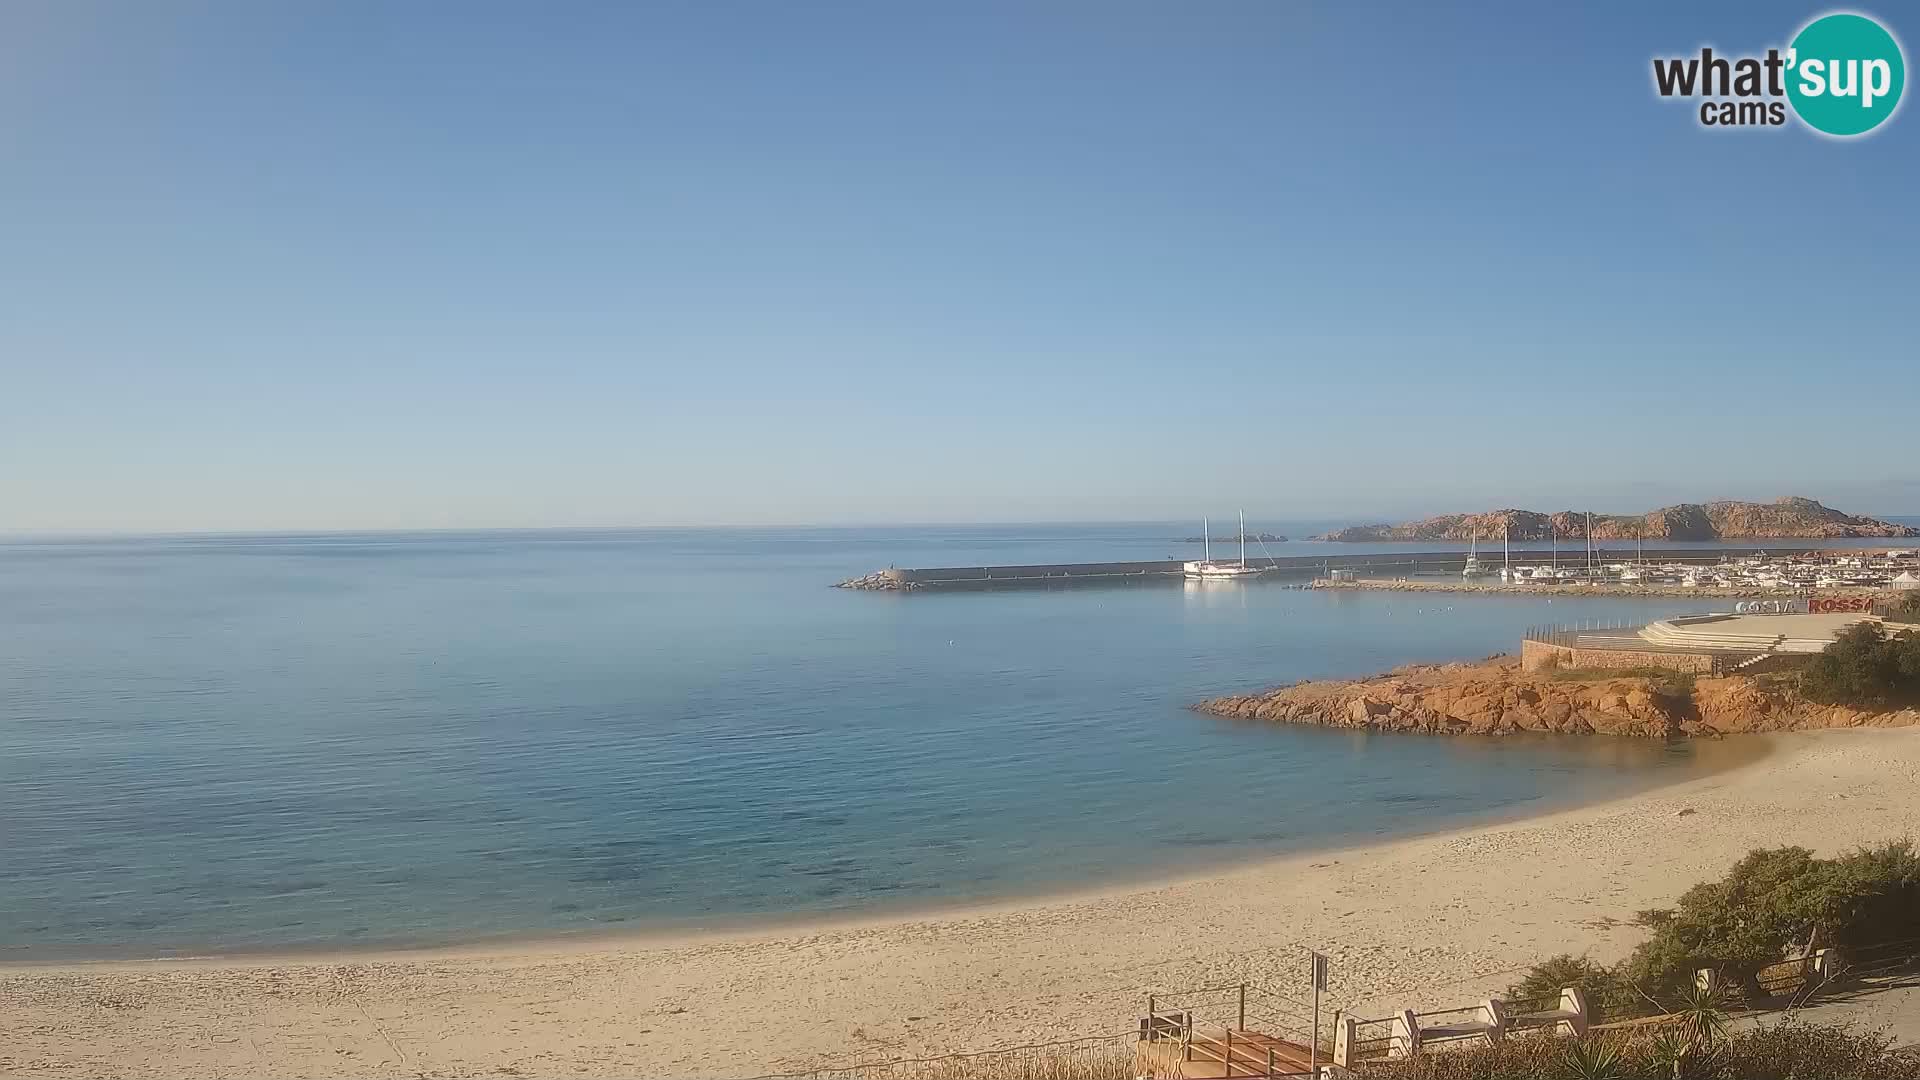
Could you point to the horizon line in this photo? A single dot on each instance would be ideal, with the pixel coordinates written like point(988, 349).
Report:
point(53, 534)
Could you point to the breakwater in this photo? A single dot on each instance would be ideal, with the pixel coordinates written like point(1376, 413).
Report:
point(1613, 588)
point(1378, 564)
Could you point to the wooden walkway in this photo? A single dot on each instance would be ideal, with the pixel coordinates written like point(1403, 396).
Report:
point(1223, 1053)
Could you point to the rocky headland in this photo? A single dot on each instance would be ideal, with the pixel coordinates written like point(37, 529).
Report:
point(1787, 518)
point(1494, 697)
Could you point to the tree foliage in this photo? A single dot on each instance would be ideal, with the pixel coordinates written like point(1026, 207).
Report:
point(1866, 667)
point(1606, 991)
point(1779, 903)
point(1772, 906)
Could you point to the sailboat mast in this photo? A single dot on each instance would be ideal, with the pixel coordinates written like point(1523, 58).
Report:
point(1206, 540)
point(1506, 553)
point(1243, 539)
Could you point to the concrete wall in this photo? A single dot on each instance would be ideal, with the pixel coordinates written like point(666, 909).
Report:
point(962, 576)
point(1540, 656)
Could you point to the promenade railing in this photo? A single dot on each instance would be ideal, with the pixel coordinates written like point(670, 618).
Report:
point(1570, 633)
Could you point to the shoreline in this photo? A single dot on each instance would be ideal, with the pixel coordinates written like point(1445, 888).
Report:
point(1420, 922)
point(1685, 592)
point(753, 926)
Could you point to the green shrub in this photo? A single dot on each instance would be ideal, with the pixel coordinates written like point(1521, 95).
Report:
point(1791, 1051)
point(1866, 667)
point(1607, 993)
point(1777, 903)
point(1906, 609)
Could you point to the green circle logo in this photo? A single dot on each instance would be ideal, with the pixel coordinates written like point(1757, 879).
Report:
point(1845, 74)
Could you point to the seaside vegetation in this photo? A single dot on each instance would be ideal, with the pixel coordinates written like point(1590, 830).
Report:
point(1773, 905)
point(1787, 1051)
point(1866, 667)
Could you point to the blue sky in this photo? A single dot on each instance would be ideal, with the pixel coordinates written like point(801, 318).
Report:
point(358, 265)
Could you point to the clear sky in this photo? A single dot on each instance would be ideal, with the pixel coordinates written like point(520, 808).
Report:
point(348, 265)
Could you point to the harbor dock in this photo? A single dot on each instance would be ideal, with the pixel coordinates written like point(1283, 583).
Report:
point(1608, 588)
point(1373, 567)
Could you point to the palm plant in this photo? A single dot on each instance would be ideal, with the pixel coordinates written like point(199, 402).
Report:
point(1678, 1056)
point(1702, 1016)
point(1596, 1059)
point(1668, 1051)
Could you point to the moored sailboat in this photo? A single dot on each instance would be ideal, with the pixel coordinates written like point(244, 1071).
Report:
point(1473, 569)
point(1207, 569)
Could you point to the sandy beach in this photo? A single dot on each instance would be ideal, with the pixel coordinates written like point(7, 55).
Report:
point(1429, 921)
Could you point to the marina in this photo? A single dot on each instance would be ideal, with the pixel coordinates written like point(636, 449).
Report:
point(1659, 571)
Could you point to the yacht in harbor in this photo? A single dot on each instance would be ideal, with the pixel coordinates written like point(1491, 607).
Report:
point(1473, 569)
point(1206, 569)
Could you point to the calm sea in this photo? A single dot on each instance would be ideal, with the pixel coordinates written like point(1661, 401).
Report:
point(237, 743)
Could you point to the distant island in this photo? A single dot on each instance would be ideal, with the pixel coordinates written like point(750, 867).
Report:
point(1787, 518)
point(1264, 538)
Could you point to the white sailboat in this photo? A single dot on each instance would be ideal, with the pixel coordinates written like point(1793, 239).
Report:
point(1473, 569)
point(1209, 570)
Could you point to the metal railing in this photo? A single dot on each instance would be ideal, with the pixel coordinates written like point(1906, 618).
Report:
point(1451, 1025)
point(1891, 958)
point(1378, 1040)
point(1569, 633)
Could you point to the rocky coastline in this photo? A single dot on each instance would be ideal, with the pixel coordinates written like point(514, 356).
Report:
point(878, 581)
point(1789, 518)
point(1493, 697)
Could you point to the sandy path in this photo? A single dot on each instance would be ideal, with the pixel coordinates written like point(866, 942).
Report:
point(1438, 920)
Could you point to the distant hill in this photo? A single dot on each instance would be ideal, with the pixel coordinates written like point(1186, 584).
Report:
point(1786, 518)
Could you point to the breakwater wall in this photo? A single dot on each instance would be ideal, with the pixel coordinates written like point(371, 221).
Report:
point(1862, 594)
point(1377, 564)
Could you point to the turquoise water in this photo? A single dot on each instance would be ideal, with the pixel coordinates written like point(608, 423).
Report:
point(238, 743)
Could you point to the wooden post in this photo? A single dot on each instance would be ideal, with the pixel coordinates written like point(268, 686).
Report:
point(1319, 964)
point(1243, 1007)
point(1269, 1062)
point(1226, 1055)
point(1153, 1021)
